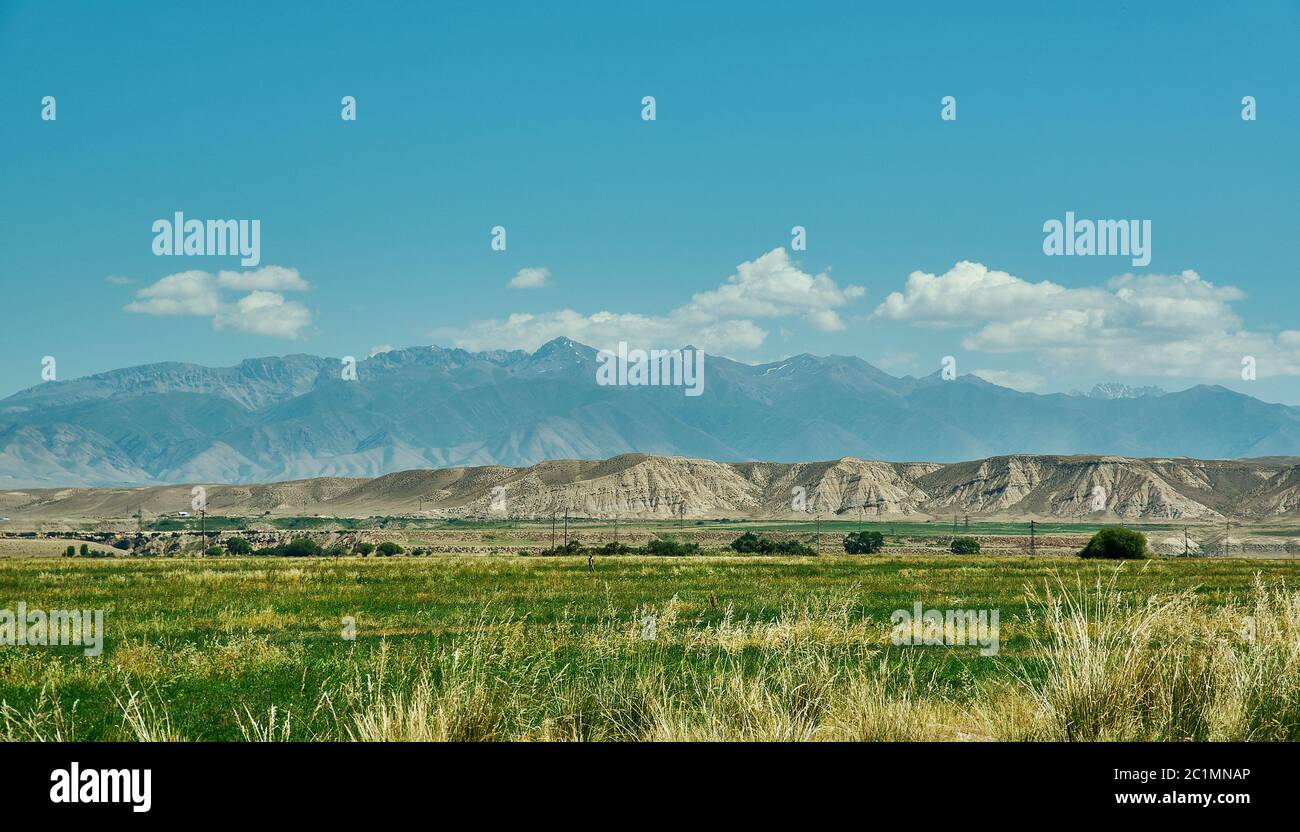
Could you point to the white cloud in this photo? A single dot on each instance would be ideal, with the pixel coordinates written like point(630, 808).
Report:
point(605, 329)
point(379, 350)
point(1024, 382)
point(260, 312)
point(719, 321)
point(772, 286)
point(264, 313)
point(530, 278)
point(267, 279)
point(1148, 325)
point(118, 280)
point(183, 293)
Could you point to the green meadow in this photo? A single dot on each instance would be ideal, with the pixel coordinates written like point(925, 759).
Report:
point(638, 648)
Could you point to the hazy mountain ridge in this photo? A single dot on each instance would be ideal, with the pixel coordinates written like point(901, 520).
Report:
point(294, 417)
point(644, 486)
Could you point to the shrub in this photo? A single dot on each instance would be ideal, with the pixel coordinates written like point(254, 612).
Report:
point(213, 552)
point(70, 552)
point(747, 543)
point(300, 547)
point(964, 546)
point(85, 550)
point(573, 547)
point(1117, 543)
point(863, 543)
point(751, 544)
point(792, 547)
point(239, 546)
point(671, 548)
point(612, 548)
point(364, 549)
point(388, 548)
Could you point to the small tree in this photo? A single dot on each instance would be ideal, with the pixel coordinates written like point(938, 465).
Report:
point(388, 548)
point(863, 543)
point(302, 547)
point(85, 550)
point(239, 546)
point(70, 552)
point(671, 548)
point(364, 549)
point(1117, 543)
point(965, 546)
point(214, 551)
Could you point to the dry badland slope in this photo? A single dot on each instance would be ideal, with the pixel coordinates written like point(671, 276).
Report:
point(648, 487)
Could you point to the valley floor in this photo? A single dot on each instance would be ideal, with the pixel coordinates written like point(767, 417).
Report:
point(506, 647)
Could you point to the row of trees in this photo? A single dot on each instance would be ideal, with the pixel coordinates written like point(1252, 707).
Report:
point(304, 547)
point(85, 552)
point(1115, 543)
point(659, 546)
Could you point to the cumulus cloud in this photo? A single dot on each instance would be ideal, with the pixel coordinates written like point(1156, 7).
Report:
point(263, 311)
point(1145, 325)
point(183, 293)
point(379, 350)
point(719, 320)
point(772, 286)
point(267, 279)
point(530, 278)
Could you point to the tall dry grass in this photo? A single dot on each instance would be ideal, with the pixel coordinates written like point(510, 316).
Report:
point(1099, 665)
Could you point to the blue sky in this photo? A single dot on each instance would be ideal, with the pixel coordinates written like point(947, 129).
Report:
point(768, 116)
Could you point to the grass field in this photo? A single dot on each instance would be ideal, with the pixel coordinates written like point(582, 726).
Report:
point(743, 648)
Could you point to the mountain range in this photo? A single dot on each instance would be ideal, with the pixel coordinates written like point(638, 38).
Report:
point(296, 417)
point(1094, 488)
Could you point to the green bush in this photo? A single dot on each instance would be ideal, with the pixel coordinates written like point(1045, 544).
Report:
point(85, 550)
point(748, 543)
point(213, 552)
point(964, 546)
point(239, 546)
point(671, 548)
point(387, 549)
point(1117, 543)
point(70, 552)
point(364, 549)
point(863, 543)
point(751, 544)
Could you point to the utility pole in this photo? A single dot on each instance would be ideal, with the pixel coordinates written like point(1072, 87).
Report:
point(203, 531)
point(819, 534)
point(1033, 544)
point(554, 506)
point(1186, 550)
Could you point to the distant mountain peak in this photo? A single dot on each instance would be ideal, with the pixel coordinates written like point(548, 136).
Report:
point(293, 417)
point(1116, 390)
